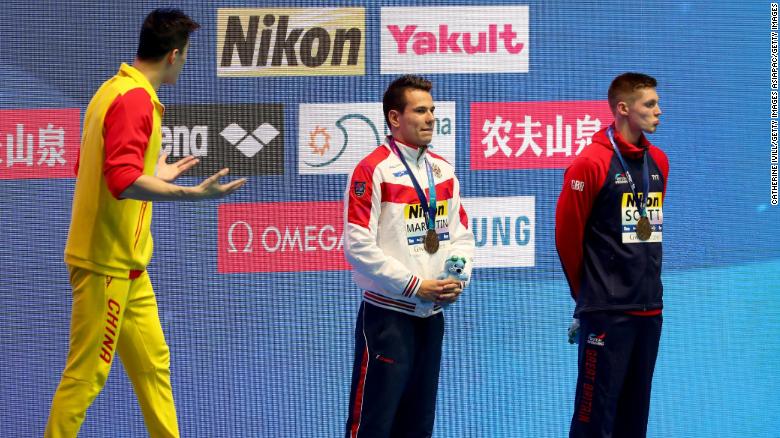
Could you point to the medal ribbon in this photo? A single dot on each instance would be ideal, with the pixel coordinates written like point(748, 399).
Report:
point(643, 205)
point(429, 207)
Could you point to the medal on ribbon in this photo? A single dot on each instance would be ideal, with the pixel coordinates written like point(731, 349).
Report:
point(431, 242)
point(643, 227)
point(431, 239)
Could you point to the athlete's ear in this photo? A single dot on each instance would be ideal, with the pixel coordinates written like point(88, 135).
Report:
point(392, 117)
point(622, 108)
point(172, 55)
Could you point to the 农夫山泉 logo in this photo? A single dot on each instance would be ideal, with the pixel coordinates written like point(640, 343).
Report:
point(247, 138)
point(290, 42)
point(533, 135)
point(333, 138)
point(280, 237)
point(455, 39)
point(39, 143)
point(504, 230)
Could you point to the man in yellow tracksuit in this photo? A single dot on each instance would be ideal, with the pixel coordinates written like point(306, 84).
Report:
point(120, 172)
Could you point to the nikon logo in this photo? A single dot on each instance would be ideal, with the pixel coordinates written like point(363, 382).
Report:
point(290, 42)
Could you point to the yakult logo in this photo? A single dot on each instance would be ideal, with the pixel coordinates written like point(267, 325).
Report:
point(281, 237)
point(455, 39)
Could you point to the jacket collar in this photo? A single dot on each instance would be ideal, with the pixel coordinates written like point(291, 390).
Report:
point(411, 154)
point(133, 73)
point(626, 149)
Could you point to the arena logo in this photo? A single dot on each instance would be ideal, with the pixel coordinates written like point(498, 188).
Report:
point(291, 42)
point(249, 144)
point(247, 138)
point(180, 141)
point(452, 39)
point(504, 230)
point(280, 237)
point(533, 135)
point(39, 143)
point(333, 138)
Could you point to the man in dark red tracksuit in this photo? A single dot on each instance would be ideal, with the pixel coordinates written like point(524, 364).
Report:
point(608, 232)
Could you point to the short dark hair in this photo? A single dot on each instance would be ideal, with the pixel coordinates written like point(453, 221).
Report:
point(164, 30)
point(394, 95)
point(625, 84)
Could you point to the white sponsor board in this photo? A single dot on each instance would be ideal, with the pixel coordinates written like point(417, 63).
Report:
point(468, 39)
point(334, 137)
point(504, 230)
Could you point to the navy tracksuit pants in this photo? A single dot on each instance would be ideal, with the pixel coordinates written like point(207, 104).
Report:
point(395, 375)
point(617, 355)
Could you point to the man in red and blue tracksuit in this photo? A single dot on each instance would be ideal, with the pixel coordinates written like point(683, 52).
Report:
point(608, 232)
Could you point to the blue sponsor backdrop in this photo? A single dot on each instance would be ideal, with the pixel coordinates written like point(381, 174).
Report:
point(270, 354)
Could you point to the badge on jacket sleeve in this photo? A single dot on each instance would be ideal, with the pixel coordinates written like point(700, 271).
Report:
point(359, 188)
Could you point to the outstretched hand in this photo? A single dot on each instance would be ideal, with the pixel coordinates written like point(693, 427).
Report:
point(169, 172)
point(211, 188)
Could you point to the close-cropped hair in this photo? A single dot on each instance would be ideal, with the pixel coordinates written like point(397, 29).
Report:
point(394, 95)
point(625, 84)
point(162, 31)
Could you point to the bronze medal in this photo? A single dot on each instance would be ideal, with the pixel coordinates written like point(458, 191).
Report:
point(643, 228)
point(431, 242)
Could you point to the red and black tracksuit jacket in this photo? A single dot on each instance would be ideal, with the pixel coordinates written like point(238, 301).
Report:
point(605, 271)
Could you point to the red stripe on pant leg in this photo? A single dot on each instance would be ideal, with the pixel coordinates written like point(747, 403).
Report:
point(358, 408)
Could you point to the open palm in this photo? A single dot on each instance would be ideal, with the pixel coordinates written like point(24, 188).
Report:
point(169, 172)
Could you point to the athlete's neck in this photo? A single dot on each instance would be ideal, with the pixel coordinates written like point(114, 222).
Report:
point(152, 70)
point(420, 149)
point(403, 143)
point(629, 135)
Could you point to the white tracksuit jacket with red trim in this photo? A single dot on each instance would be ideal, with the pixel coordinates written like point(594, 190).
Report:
point(384, 228)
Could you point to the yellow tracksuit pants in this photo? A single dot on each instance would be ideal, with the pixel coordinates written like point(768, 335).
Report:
point(113, 315)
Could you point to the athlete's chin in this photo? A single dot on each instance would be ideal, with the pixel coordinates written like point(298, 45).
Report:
point(424, 139)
